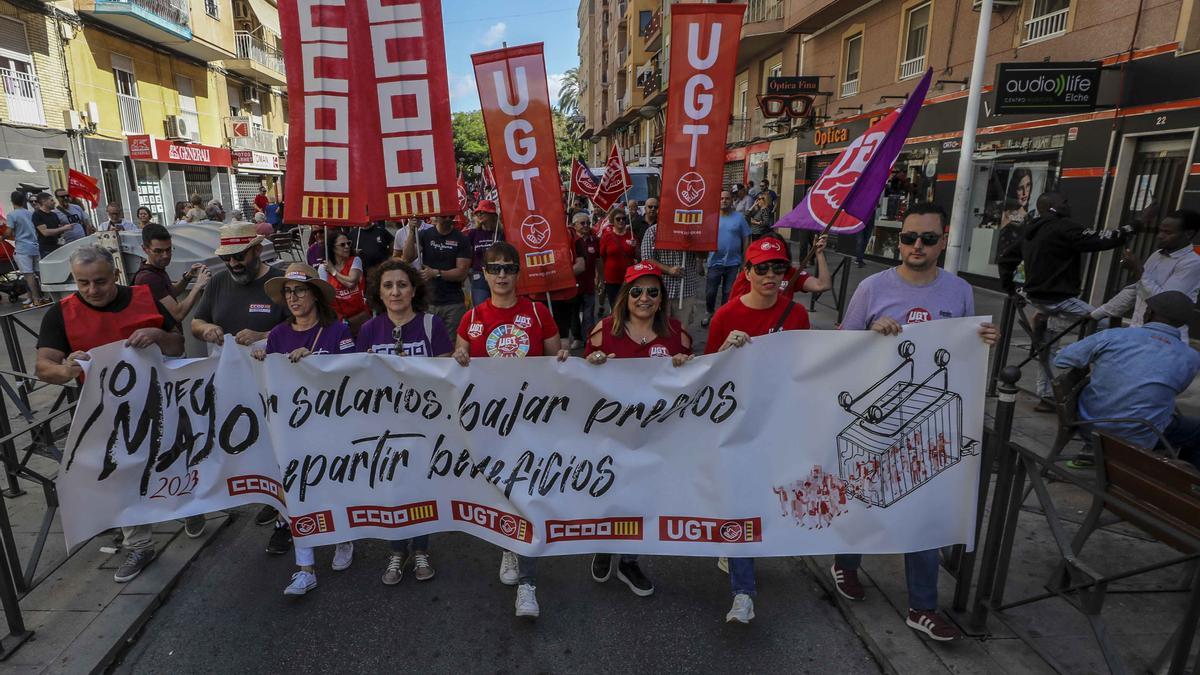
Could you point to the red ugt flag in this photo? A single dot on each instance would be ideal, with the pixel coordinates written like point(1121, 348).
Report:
point(583, 182)
point(81, 185)
point(615, 181)
point(489, 177)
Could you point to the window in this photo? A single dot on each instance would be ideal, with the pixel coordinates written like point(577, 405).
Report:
point(852, 65)
point(916, 41)
point(1047, 19)
point(110, 173)
point(21, 87)
point(212, 9)
point(127, 94)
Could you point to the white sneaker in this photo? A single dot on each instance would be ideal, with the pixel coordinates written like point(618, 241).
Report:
point(343, 555)
point(302, 582)
point(527, 601)
point(742, 610)
point(509, 574)
point(723, 564)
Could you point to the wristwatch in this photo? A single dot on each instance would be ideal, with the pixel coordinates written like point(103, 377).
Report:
point(439, 274)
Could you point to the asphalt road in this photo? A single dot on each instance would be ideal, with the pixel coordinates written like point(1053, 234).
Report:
point(228, 614)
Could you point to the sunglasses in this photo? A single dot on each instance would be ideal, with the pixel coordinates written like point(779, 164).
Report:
point(234, 256)
point(343, 244)
point(650, 291)
point(620, 220)
point(779, 268)
point(927, 238)
point(781, 106)
point(498, 268)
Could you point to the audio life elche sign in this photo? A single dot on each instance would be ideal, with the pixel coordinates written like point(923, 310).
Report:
point(1046, 88)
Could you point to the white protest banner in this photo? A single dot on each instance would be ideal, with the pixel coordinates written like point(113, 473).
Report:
point(800, 443)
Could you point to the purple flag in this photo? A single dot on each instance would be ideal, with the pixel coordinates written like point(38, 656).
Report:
point(849, 188)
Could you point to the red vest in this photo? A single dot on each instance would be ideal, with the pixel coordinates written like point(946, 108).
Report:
point(88, 328)
point(348, 301)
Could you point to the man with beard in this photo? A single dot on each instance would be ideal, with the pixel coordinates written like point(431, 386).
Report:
point(235, 302)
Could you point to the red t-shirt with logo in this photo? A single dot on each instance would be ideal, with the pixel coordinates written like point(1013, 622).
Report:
point(624, 347)
point(754, 322)
point(789, 287)
point(513, 331)
point(619, 252)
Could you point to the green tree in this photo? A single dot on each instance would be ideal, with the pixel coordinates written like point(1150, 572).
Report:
point(470, 138)
point(568, 96)
point(566, 139)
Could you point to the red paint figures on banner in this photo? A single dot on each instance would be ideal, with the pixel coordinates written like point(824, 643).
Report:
point(904, 466)
point(814, 501)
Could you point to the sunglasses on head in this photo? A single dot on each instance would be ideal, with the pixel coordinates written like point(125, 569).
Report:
point(497, 268)
point(778, 267)
point(650, 291)
point(927, 238)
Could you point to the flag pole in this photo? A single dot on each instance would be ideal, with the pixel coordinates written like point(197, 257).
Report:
point(962, 184)
point(681, 276)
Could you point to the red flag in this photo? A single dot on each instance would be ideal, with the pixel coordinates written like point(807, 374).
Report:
point(81, 185)
point(516, 112)
point(583, 181)
point(460, 220)
point(704, 46)
point(489, 177)
point(615, 182)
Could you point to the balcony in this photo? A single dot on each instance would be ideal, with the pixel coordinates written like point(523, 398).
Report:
point(652, 33)
point(130, 108)
point(623, 56)
point(912, 67)
point(849, 88)
point(739, 130)
point(1046, 26)
point(24, 97)
point(650, 82)
point(761, 30)
point(257, 60)
point(261, 140)
point(807, 16)
point(161, 21)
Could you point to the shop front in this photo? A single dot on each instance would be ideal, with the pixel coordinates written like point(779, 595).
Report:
point(169, 174)
point(254, 171)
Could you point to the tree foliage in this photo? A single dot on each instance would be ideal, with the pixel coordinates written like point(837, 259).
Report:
point(470, 138)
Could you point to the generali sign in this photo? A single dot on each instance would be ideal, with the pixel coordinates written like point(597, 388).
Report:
point(150, 149)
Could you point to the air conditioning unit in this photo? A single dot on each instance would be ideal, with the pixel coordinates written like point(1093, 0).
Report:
point(178, 128)
point(249, 94)
point(281, 144)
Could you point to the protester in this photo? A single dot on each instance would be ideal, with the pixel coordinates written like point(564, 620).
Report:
point(344, 272)
point(637, 222)
point(25, 247)
point(315, 255)
point(181, 209)
point(638, 327)
point(156, 244)
point(587, 249)
point(764, 187)
point(1173, 266)
point(144, 217)
point(760, 311)
point(214, 214)
point(681, 270)
point(482, 236)
point(69, 212)
point(196, 211)
point(116, 220)
point(507, 326)
point(446, 256)
point(1138, 372)
point(761, 216)
point(261, 226)
point(1052, 249)
point(312, 327)
point(618, 250)
point(797, 280)
point(723, 264)
point(742, 202)
point(374, 244)
point(260, 200)
point(274, 213)
point(402, 237)
point(49, 227)
point(915, 292)
point(99, 312)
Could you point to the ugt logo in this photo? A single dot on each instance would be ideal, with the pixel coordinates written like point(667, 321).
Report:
point(690, 188)
point(535, 231)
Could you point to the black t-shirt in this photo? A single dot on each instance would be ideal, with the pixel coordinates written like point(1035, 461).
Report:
point(442, 252)
point(50, 220)
point(235, 307)
point(54, 330)
point(374, 245)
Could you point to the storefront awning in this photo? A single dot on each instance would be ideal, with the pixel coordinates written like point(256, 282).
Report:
point(267, 15)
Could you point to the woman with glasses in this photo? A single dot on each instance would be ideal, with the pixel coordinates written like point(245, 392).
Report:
point(404, 327)
point(507, 325)
point(618, 250)
point(639, 327)
point(796, 280)
point(313, 328)
point(344, 271)
point(760, 311)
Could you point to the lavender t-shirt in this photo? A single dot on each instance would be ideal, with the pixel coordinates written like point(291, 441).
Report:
point(886, 294)
point(376, 337)
point(333, 339)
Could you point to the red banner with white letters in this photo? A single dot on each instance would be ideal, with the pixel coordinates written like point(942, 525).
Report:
point(362, 143)
point(516, 112)
point(704, 45)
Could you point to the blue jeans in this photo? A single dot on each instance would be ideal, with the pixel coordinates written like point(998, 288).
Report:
point(920, 571)
point(420, 543)
point(587, 310)
point(741, 576)
point(718, 280)
point(1059, 316)
point(527, 569)
point(479, 290)
point(1184, 434)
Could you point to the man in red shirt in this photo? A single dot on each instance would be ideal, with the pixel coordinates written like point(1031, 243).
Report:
point(763, 310)
point(261, 201)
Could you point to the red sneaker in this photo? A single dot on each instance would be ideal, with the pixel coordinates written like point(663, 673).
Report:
point(847, 583)
point(932, 624)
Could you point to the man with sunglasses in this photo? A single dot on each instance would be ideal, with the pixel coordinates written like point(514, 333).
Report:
point(914, 292)
point(681, 272)
point(69, 212)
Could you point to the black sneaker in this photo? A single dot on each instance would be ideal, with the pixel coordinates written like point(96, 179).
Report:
point(266, 515)
point(281, 541)
point(601, 567)
point(631, 574)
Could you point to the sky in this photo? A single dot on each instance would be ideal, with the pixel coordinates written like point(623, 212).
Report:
point(481, 25)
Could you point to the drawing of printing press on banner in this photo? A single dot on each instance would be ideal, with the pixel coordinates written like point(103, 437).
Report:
point(907, 435)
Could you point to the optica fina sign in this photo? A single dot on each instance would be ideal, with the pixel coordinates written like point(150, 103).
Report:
point(1046, 88)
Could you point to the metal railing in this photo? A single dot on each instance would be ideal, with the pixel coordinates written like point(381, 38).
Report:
point(131, 113)
point(912, 67)
point(259, 139)
point(764, 10)
point(653, 27)
point(739, 130)
point(849, 88)
point(1046, 26)
point(622, 104)
point(24, 95)
point(650, 82)
point(250, 47)
point(174, 11)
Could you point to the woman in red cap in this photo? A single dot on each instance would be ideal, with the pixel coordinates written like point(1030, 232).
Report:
point(796, 280)
point(638, 327)
point(482, 235)
point(618, 250)
point(764, 309)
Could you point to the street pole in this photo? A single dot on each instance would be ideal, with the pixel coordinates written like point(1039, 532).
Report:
point(962, 185)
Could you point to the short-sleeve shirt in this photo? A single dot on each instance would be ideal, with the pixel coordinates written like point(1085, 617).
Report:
point(619, 252)
point(789, 287)
point(442, 252)
point(374, 244)
point(76, 217)
point(754, 322)
point(376, 336)
point(624, 347)
point(235, 307)
point(732, 229)
point(587, 248)
point(480, 240)
point(401, 239)
point(154, 277)
point(332, 339)
point(46, 244)
point(53, 333)
point(25, 234)
point(886, 294)
point(514, 331)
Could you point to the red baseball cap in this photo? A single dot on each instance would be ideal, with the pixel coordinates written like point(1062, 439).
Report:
point(765, 250)
point(642, 269)
point(486, 206)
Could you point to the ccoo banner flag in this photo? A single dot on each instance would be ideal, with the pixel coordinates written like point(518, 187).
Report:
point(516, 112)
point(704, 46)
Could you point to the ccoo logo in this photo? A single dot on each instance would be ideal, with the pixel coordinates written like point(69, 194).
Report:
point(690, 188)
